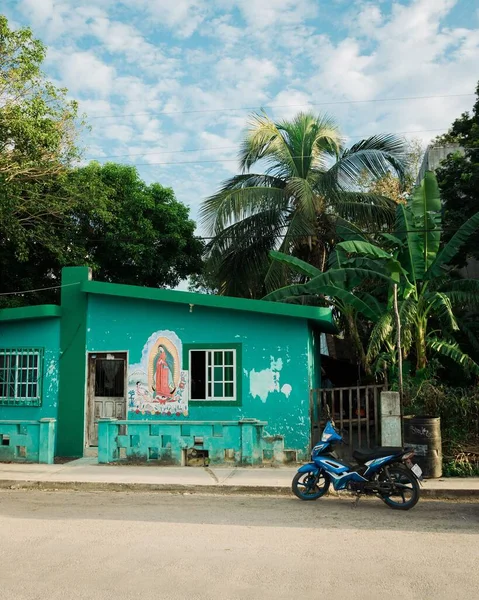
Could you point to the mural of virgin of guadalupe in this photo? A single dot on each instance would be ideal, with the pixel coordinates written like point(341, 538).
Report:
point(163, 365)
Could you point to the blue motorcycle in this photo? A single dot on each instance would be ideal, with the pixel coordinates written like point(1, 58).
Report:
point(388, 473)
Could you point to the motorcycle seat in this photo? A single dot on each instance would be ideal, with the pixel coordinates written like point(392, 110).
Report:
point(363, 456)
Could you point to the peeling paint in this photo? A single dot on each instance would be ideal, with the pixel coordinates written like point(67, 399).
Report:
point(264, 382)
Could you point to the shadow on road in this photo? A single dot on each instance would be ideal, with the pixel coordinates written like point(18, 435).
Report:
point(250, 511)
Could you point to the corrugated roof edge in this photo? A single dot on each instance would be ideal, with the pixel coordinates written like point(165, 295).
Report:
point(42, 311)
point(321, 317)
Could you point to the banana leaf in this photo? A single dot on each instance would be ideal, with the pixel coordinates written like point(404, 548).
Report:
point(452, 247)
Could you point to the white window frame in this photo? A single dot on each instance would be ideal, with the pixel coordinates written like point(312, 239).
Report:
point(18, 383)
point(210, 397)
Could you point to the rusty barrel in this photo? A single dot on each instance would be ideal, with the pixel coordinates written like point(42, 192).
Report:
point(424, 435)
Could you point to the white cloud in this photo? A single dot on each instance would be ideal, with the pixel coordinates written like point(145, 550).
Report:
point(222, 30)
point(39, 10)
point(181, 16)
point(58, 18)
point(289, 102)
point(195, 57)
point(368, 20)
point(115, 131)
point(84, 72)
point(409, 53)
point(249, 70)
point(268, 13)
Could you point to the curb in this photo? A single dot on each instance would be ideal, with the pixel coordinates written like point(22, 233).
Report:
point(98, 486)
point(223, 490)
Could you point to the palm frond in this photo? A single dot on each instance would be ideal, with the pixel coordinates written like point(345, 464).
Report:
point(310, 140)
point(452, 351)
point(240, 197)
point(305, 197)
point(370, 212)
point(377, 156)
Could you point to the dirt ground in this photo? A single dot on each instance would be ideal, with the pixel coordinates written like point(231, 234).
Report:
point(120, 545)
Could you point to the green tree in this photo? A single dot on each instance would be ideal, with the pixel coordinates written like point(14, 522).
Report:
point(458, 178)
point(146, 238)
point(306, 179)
point(127, 231)
point(38, 132)
point(430, 300)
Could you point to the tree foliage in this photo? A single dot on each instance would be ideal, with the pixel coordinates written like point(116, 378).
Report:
point(431, 301)
point(458, 178)
point(38, 132)
point(305, 180)
point(127, 231)
point(54, 213)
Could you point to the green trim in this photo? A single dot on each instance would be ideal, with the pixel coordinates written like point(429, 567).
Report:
point(43, 311)
point(239, 372)
point(321, 316)
point(71, 395)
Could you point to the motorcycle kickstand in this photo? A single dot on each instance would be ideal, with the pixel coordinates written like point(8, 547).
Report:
point(356, 501)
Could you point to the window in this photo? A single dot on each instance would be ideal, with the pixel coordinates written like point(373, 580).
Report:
point(109, 378)
point(20, 376)
point(213, 374)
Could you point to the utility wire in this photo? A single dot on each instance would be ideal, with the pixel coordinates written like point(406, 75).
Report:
point(236, 147)
point(55, 287)
point(221, 160)
point(273, 106)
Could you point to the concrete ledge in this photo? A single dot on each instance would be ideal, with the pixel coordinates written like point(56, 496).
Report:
point(462, 493)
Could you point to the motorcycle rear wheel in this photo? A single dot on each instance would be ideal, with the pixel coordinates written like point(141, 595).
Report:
point(310, 486)
point(407, 492)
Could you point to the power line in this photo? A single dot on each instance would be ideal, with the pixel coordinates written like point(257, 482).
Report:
point(273, 106)
point(55, 287)
point(236, 147)
point(221, 160)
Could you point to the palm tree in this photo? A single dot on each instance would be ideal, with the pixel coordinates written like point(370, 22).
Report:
point(431, 301)
point(305, 180)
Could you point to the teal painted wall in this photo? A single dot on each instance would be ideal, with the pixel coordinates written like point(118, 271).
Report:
point(276, 357)
point(41, 333)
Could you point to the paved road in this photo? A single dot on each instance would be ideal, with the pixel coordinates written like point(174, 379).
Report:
point(79, 545)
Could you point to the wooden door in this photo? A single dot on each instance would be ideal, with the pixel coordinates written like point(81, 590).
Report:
point(106, 390)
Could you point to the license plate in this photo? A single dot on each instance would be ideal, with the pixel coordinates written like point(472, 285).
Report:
point(416, 469)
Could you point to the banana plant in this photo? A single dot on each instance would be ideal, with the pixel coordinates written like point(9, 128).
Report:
point(338, 288)
point(430, 299)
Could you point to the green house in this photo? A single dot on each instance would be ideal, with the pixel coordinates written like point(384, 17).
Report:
point(157, 374)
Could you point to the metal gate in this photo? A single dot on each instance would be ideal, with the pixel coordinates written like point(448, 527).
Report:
point(354, 409)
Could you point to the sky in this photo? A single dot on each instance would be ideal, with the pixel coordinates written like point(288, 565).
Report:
point(168, 85)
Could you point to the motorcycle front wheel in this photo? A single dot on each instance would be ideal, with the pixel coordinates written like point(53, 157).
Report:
point(405, 492)
point(310, 486)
